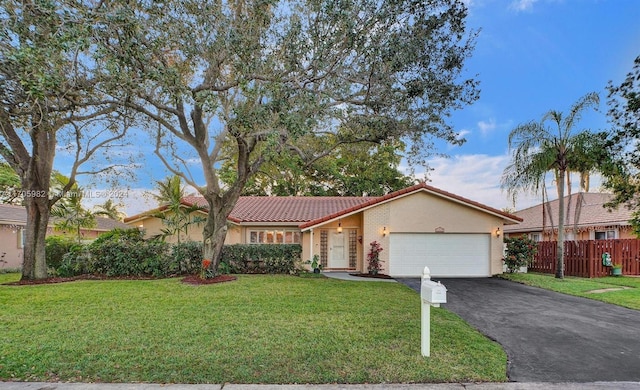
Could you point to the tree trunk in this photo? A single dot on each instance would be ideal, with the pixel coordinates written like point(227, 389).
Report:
point(560, 247)
point(215, 232)
point(34, 265)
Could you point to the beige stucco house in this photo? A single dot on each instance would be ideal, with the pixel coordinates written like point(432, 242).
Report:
point(587, 219)
point(417, 227)
point(13, 220)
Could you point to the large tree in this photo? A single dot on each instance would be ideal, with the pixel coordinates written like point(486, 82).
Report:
point(260, 74)
point(9, 185)
point(352, 169)
point(50, 101)
point(550, 145)
point(624, 113)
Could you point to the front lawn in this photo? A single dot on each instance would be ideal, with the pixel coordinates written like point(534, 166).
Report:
point(258, 329)
point(583, 287)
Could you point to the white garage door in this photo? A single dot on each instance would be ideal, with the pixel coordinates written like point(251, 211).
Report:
point(452, 255)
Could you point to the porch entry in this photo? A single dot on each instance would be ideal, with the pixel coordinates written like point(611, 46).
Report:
point(339, 250)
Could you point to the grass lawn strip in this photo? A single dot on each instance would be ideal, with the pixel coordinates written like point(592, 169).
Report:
point(258, 329)
point(582, 287)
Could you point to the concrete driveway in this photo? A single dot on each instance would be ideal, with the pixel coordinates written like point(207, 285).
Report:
point(548, 337)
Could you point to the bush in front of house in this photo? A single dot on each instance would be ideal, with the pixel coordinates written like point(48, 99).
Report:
point(120, 252)
point(75, 262)
point(126, 253)
point(186, 257)
point(262, 259)
point(56, 247)
point(519, 253)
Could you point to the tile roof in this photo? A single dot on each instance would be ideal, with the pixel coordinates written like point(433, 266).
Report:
point(284, 209)
point(409, 190)
point(308, 211)
point(18, 215)
point(586, 209)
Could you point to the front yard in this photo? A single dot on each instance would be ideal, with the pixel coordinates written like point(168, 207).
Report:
point(622, 291)
point(258, 329)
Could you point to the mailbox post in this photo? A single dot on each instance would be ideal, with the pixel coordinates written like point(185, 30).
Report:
point(431, 294)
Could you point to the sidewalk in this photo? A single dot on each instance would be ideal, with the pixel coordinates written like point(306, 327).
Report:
point(436, 386)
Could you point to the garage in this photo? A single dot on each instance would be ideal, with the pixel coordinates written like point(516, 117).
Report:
point(446, 254)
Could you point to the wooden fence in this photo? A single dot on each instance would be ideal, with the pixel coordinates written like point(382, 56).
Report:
point(584, 258)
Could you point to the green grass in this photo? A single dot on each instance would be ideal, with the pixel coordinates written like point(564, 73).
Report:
point(581, 287)
point(258, 329)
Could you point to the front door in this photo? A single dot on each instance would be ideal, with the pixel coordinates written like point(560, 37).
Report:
point(338, 251)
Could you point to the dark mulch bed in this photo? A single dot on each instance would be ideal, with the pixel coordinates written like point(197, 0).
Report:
point(197, 280)
point(53, 280)
point(190, 279)
point(376, 276)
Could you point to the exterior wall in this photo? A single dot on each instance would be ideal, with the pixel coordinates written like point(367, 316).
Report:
point(11, 244)
point(234, 235)
point(425, 213)
point(375, 220)
point(11, 252)
point(153, 226)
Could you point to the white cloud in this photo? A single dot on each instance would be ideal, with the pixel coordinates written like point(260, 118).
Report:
point(522, 5)
point(462, 134)
point(487, 127)
point(477, 177)
point(132, 201)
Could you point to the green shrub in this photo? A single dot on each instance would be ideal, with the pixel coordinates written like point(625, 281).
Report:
point(519, 253)
point(265, 259)
point(186, 258)
point(126, 253)
point(75, 262)
point(55, 248)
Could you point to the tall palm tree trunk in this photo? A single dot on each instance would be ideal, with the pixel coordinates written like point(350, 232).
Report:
point(560, 243)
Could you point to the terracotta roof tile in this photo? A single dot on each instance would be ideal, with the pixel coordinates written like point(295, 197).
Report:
point(408, 190)
point(308, 211)
point(291, 209)
point(586, 209)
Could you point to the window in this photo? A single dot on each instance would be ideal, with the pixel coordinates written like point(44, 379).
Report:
point(605, 235)
point(535, 237)
point(274, 237)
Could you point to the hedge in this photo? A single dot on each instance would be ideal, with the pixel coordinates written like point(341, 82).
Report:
point(127, 253)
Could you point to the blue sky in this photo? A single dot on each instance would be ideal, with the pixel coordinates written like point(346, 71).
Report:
point(531, 56)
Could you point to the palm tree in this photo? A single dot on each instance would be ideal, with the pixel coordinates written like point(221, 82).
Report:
point(177, 216)
point(170, 191)
point(109, 210)
point(72, 215)
point(548, 145)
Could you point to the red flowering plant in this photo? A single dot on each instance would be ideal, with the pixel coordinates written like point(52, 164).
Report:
point(206, 272)
point(373, 258)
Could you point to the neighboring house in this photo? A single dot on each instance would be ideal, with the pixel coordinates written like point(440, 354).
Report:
point(417, 227)
point(587, 219)
point(13, 220)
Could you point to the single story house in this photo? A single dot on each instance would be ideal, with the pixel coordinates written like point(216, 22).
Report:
point(13, 220)
point(587, 219)
point(418, 226)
